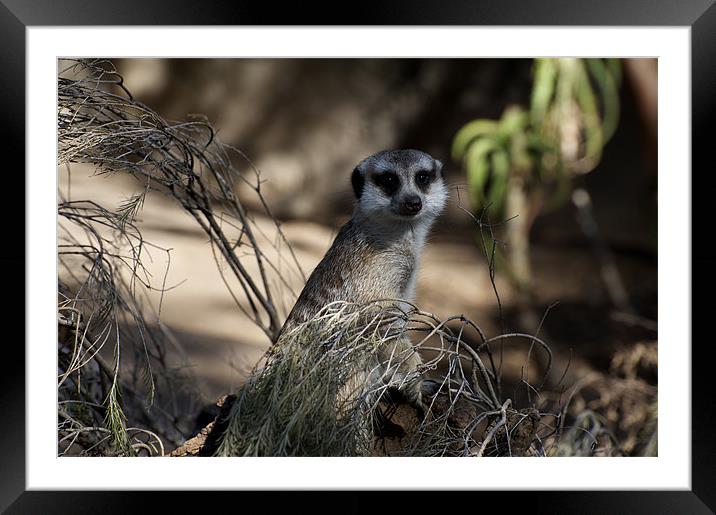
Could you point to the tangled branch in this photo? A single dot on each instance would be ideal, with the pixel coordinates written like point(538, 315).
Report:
point(118, 134)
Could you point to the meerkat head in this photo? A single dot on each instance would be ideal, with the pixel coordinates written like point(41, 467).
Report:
point(403, 185)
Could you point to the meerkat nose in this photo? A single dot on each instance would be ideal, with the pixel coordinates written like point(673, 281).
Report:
point(411, 205)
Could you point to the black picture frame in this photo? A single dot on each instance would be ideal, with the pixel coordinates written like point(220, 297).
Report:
point(700, 15)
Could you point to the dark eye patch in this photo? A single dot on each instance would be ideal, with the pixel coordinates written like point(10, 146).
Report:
point(388, 182)
point(423, 178)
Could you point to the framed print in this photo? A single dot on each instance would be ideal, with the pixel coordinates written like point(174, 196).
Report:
point(301, 250)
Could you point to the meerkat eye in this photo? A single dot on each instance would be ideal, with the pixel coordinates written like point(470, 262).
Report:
point(422, 178)
point(388, 182)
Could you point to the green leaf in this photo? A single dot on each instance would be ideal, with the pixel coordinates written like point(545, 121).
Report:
point(592, 123)
point(615, 67)
point(468, 133)
point(543, 86)
point(513, 120)
point(478, 167)
point(603, 75)
point(538, 143)
point(498, 185)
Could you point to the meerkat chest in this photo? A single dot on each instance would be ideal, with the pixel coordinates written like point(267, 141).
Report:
point(408, 292)
point(396, 269)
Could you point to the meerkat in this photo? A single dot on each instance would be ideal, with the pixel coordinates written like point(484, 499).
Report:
point(376, 254)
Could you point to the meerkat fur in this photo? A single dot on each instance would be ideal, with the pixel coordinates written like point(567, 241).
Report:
point(376, 254)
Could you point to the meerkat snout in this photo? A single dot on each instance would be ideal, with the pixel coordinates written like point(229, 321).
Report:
point(411, 205)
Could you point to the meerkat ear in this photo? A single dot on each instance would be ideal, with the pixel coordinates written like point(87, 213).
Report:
point(438, 167)
point(358, 181)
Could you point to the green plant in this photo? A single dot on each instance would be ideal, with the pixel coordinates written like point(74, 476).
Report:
point(524, 163)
